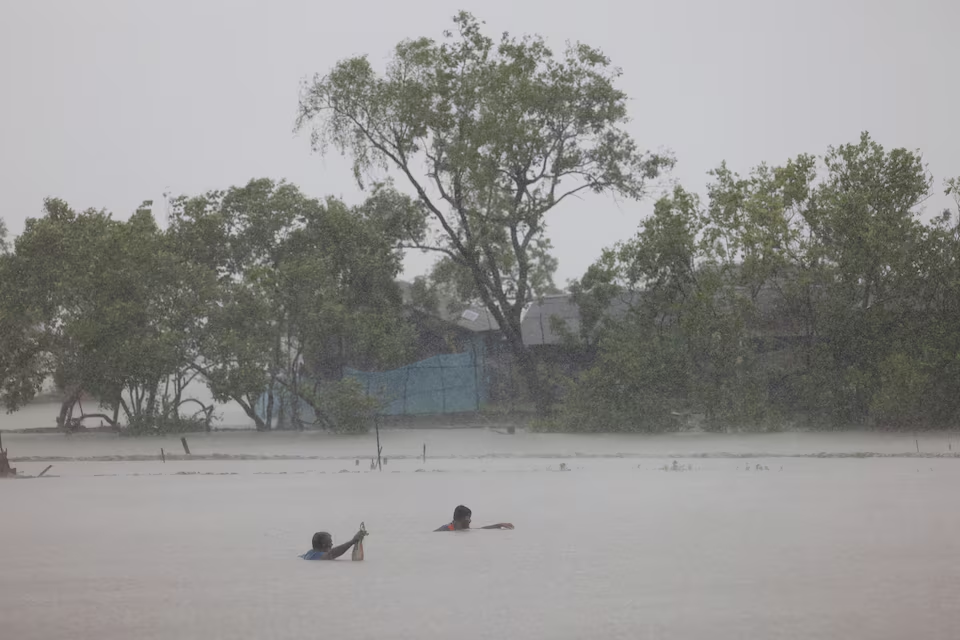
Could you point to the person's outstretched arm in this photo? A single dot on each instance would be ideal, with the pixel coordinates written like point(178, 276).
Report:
point(336, 552)
point(502, 525)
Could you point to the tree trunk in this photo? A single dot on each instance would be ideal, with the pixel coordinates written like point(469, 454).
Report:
point(282, 415)
point(540, 393)
point(267, 423)
point(66, 408)
point(252, 414)
point(293, 392)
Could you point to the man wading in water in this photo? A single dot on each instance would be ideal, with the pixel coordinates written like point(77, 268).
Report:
point(461, 520)
point(323, 548)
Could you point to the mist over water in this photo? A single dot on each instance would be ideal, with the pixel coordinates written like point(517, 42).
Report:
point(615, 547)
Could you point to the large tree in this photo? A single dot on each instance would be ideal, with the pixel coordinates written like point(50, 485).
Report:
point(304, 287)
point(491, 136)
point(101, 307)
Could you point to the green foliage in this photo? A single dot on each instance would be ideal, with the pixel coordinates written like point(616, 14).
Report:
point(491, 136)
point(305, 287)
point(24, 362)
point(810, 292)
point(900, 391)
point(634, 385)
point(108, 317)
point(164, 425)
point(345, 407)
point(255, 291)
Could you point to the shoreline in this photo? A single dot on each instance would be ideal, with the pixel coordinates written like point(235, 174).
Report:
point(719, 455)
point(517, 420)
point(481, 444)
point(431, 425)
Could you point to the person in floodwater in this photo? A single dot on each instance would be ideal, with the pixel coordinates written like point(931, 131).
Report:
point(461, 521)
point(323, 548)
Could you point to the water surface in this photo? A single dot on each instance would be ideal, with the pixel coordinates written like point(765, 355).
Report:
point(615, 548)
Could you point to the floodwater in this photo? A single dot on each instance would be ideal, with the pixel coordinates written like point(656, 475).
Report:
point(121, 545)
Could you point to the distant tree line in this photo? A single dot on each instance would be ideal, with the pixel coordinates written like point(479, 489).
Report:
point(814, 292)
point(255, 291)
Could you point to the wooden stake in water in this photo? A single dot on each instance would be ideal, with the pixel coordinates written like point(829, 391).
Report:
point(186, 449)
point(918, 445)
point(163, 458)
point(376, 423)
point(424, 452)
point(49, 466)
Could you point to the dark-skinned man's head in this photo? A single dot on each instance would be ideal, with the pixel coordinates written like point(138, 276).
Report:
point(461, 517)
point(322, 541)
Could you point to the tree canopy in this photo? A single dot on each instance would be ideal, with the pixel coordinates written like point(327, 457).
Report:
point(259, 292)
point(814, 291)
point(491, 136)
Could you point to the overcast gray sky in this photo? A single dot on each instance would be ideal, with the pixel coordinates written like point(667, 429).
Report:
point(106, 103)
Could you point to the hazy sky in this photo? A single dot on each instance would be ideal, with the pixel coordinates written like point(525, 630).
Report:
point(106, 103)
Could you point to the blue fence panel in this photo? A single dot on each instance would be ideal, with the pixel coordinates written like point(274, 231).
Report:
point(452, 383)
point(442, 384)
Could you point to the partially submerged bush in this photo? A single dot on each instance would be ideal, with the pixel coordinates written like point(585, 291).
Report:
point(344, 407)
point(164, 425)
